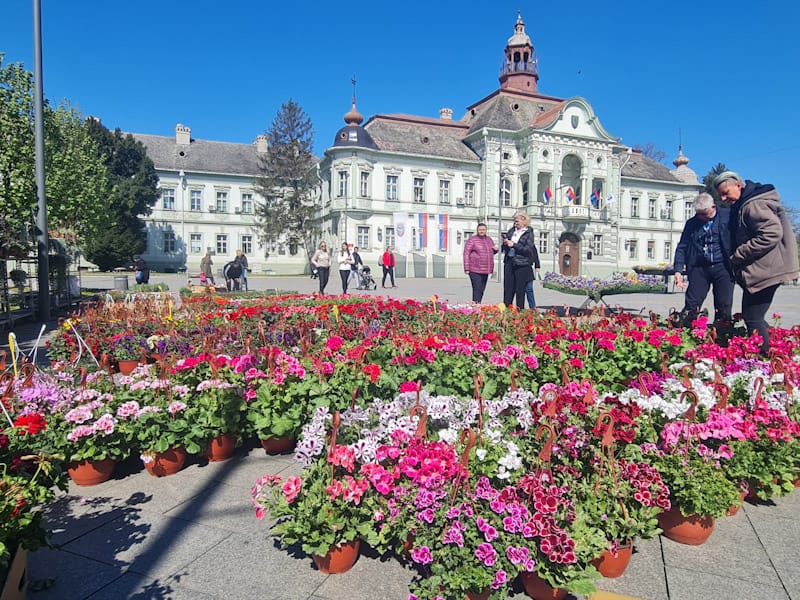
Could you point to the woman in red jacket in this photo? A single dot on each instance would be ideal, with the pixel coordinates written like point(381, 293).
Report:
point(388, 263)
point(479, 254)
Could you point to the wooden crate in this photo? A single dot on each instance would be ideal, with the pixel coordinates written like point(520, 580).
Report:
point(16, 584)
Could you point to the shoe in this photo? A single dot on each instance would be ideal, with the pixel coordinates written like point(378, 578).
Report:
point(394, 286)
point(384, 287)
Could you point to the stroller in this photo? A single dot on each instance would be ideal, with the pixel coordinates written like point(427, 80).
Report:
point(366, 282)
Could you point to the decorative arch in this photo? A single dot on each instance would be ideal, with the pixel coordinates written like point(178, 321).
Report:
point(571, 168)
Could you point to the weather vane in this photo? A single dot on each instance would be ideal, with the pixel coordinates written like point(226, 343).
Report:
point(353, 81)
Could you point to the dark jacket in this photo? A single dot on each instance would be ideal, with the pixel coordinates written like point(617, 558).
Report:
point(765, 248)
point(524, 247)
point(232, 270)
point(356, 261)
point(689, 252)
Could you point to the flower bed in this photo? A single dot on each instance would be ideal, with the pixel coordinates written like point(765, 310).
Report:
point(596, 288)
point(492, 443)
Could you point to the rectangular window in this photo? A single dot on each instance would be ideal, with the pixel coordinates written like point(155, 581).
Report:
point(364, 184)
point(169, 241)
point(391, 187)
point(634, 208)
point(222, 202)
point(444, 191)
point(419, 189)
point(632, 249)
point(469, 193)
point(390, 240)
point(544, 243)
point(247, 204)
point(597, 245)
point(667, 251)
point(222, 243)
point(344, 176)
point(651, 250)
point(505, 192)
point(196, 200)
point(362, 237)
point(168, 199)
point(666, 214)
point(195, 243)
point(246, 242)
point(524, 193)
point(651, 208)
point(688, 210)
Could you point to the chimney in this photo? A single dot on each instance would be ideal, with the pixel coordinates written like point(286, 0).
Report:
point(262, 144)
point(446, 114)
point(183, 135)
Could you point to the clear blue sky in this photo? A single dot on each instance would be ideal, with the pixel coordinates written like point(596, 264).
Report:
point(727, 74)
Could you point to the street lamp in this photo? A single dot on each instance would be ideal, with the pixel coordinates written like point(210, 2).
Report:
point(619, 200)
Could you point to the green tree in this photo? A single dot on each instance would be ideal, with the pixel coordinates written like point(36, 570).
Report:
point(708, 180)
point(287, 180)
point(17, 155)
point(133, 192)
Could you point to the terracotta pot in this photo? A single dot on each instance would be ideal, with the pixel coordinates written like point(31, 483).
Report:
point(166, 463)
point(91, 472)
point(126, 367)
point(484, 595)
point(613, 566)
point(797, 482)
point(538, 589)
point(692, 530)
point(339, 559)
point(278, 445)
point(222, 447)
point(735, 507)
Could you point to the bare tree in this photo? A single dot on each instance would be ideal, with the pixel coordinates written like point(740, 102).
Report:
point(650, 151)
point(287, 181)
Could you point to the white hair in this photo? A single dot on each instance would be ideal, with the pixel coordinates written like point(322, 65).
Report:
point(703, 202)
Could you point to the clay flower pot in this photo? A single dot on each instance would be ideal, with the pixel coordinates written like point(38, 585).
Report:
point(613, 566)
point(538, 589)
point(338, 559)
point(222, 447)
point(165, 463)
point(278, 445)
point(692, 530)
point(126, 367)
point(90, 471)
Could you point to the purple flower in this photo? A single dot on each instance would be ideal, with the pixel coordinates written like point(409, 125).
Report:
point(422, 555)
point(487, 554)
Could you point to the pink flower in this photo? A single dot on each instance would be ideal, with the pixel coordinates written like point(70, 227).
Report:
point(422, 555)
point(291, 488)
point(486, 553)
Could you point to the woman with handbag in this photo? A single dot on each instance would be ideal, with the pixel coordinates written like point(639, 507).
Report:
point(518, 248)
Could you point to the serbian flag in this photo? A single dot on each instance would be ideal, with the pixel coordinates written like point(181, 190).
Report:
point(596, 195)
point(422, 230)
point(444, 222)
point(548, 194)
point(570, 194)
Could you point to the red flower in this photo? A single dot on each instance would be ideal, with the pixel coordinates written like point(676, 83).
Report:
point(30, 424)
point(373, 370)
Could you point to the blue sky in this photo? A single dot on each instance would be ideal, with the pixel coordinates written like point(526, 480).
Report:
point(723, 73)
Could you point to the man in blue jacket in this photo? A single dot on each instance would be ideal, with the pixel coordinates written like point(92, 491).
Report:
point(703, 253)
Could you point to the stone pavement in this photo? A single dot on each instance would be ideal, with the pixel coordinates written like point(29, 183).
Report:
point(194, 535)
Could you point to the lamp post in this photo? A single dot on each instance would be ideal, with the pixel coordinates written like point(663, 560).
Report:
point(619, 200)
point(42, 240)
point(555, 223)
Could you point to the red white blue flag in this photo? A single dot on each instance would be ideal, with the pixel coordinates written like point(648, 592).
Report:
point(548, 194)
point(596, 195)
point(444, 222)
point(570, 194)
point(422, 231)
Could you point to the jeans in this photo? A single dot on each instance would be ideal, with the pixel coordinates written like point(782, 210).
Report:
point(701, 277)
point(390, 272)
point(323, 273)
point(478, 281)
point(345, 275)
point(529, 294)
point(754, 309)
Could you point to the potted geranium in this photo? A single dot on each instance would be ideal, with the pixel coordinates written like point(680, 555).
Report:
point(128, 349)
point(324, 509)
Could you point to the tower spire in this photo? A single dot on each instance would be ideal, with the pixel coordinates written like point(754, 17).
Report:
point(520, 71)
point(353, 117)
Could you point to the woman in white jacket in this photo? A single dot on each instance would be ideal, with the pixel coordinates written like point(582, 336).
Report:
point(345, 262)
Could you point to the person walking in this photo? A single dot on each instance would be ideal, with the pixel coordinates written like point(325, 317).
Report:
point(479, 251)
point(536, 266)
point(206, 265)
point(388, 263)
point(763, 243)
point(518, 249)
point(345, 265)
point(240, 256)
point(703, 253)
point(321, 261)
point(356, 267)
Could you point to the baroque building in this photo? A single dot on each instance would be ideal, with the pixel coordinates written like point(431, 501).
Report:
point(421, 185)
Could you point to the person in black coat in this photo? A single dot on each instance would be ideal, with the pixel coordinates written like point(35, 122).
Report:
point(232, 272)
point(141, 270)
point(703, 253)
point(518, 248)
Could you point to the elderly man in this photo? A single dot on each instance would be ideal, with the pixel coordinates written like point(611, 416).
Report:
point(764, 246)
point(703, 253)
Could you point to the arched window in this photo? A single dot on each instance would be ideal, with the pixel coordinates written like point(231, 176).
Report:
point(505, 191)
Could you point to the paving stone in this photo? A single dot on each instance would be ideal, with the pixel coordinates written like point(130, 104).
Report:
point(644, 577)
point(71, 575)
point(688, 584)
